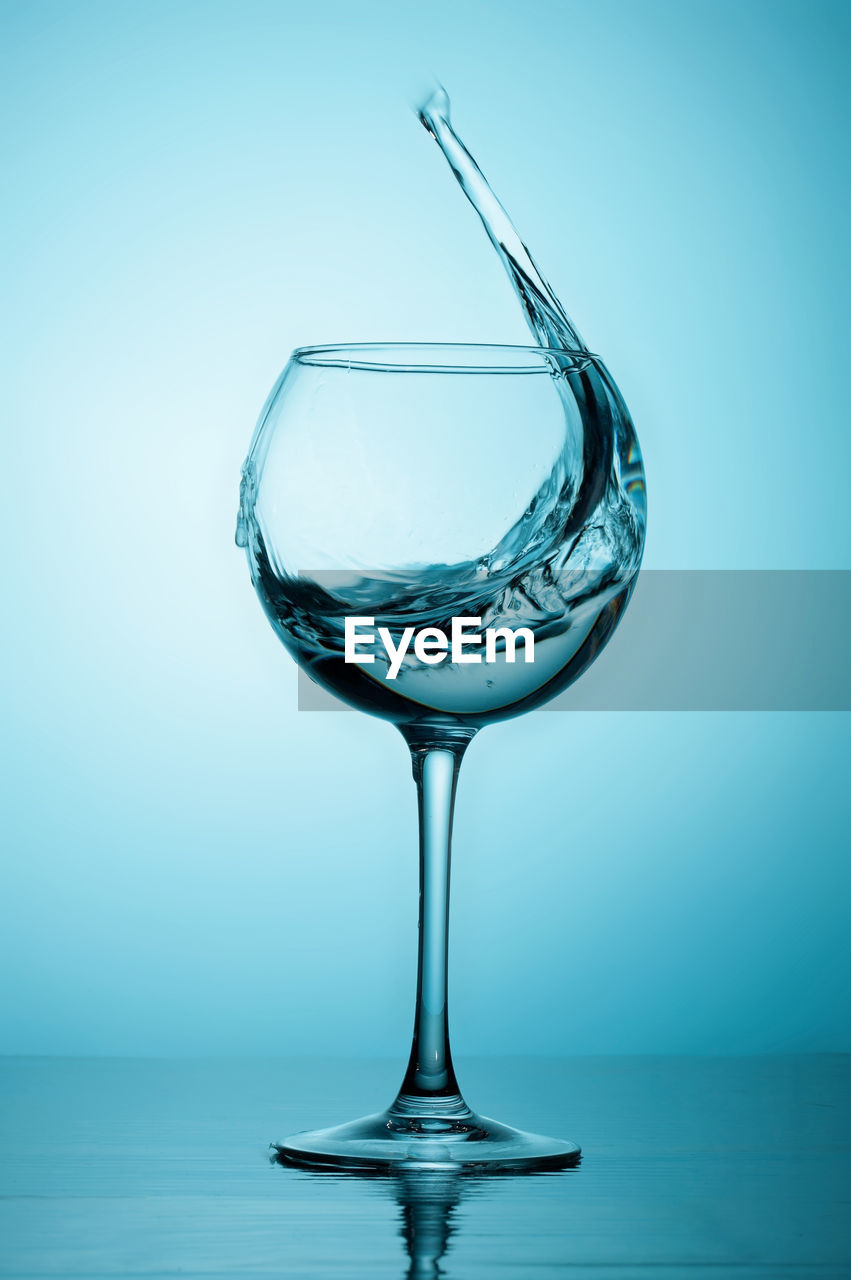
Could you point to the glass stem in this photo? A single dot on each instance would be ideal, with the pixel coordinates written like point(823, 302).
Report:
point(430, 1086)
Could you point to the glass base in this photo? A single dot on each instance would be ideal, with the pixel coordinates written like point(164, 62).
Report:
point(394, 1141)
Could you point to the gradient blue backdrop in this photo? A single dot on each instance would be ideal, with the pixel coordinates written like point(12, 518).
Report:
point(190, 864)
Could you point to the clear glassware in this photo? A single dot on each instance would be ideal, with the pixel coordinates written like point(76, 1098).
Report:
point(414, 484)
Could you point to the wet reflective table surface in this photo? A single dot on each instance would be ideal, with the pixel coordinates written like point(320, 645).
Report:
point(691, 1167)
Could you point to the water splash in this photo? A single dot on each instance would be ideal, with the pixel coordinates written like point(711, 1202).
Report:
point(544, 314)
point(565, 568)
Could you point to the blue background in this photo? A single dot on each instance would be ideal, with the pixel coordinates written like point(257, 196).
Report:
point(191, 865)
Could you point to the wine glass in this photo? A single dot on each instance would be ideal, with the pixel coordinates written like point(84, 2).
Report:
point(413, 485)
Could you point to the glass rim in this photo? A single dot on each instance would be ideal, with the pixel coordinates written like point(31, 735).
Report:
point(423, 357)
